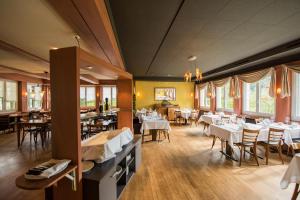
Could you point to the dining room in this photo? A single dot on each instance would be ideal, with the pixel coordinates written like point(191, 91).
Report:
point(149, 100)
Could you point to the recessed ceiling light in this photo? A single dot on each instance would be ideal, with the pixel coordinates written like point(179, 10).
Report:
point(192, 58)
point(54, 48)
point(90, 67)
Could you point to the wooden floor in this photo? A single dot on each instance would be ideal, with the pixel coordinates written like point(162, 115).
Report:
point(186, 168)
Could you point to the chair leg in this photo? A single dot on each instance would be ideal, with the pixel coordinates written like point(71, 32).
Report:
point(280, 153)
point(267, 153)
point(214, 141)
point(241, 154)
point(255, 155)
point(168, 136)
point(158, 136)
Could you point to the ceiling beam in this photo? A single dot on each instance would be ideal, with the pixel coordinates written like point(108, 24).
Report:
point(286, 60)
point(89, 19)
point(21, 52)
point(8, 69)
point(256, 57)
point(89, 78)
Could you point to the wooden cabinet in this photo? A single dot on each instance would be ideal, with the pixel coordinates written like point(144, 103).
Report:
point(104, 182)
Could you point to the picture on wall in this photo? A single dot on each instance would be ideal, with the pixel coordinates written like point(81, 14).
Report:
point(168, 94)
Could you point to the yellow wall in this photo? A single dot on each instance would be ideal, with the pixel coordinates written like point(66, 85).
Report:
point(145, 93)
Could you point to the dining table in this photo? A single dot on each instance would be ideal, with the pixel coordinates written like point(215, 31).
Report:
point(154, 124)
point(40, 123)
point(292, 175)
point(231, 133)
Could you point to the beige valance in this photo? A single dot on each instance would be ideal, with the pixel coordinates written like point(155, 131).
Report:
point(253, 77)
point(222, 82)
point(294, 66)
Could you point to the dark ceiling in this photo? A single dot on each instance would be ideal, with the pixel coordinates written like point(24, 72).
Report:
point(157, 36)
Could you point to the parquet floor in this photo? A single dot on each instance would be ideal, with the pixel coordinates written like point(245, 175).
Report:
point(186, 168)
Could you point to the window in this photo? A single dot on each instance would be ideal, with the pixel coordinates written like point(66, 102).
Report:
point(256, 98)
point(8, 95)
point(110, 92)
point(35, 96)
point(204, 100)
point(87, 96)
point(295, 97)
point(224, 101)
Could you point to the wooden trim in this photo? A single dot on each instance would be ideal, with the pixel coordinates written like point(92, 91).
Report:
point(262, 55)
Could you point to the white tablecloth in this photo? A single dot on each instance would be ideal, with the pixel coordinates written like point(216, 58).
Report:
point(233, 133)
point(155, 124)
point(290, 131)
point(292, 174)
point(209, 119)
point(186, 114)
point(104, 146)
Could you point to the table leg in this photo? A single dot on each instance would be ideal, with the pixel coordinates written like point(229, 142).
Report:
point(228, 152)
point(18, 136)
point(154, 134)
point(296, 192)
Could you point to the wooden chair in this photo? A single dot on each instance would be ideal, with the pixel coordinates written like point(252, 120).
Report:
point(166, 134)
point(178, 117)
point(225, 119)
point(171, 114)
point(194, 118)
point(274, 140)
point(294, 147)
point(249, 139)
point(5, 123)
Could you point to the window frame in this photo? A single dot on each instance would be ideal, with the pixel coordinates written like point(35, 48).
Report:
point(28, 96)
point(205, 107)
point(111, 94)
point(257, 106)
point(294, 117)
point(85, 96)
point(226, 98)
point(4, 110)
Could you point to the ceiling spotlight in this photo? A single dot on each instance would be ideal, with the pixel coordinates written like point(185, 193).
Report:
point(54, 48)
point(192, 58)
point(89, 67)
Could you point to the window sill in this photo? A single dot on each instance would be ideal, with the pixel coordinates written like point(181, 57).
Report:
point(254, 114)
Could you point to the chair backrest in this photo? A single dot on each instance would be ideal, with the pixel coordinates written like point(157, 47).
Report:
point(194, 114)
point(275, 135)
point(250, 120)
point(177, 113)
point(250, 136)
point(171, 114)
point(225, 119)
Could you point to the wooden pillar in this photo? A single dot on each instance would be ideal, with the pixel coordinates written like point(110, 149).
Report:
point(65, 107)
point(124, 101)
point(22, 96)
point(283, 105)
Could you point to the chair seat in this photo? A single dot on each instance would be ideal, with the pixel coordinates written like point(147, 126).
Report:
point(270, 143)
point(245, 144)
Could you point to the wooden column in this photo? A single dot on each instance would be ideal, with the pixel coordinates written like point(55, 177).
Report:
point(124, 101)
point(65, 108)
point(22, 96)
point(283, 105)
point(196, 97)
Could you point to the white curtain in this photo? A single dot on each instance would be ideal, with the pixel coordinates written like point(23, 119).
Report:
point(211, 90)
point(234, 90)
point(285, 84)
